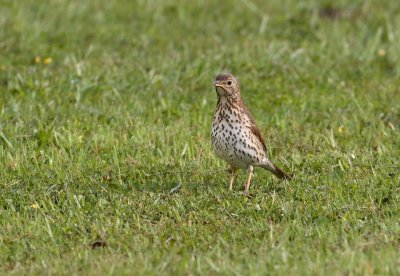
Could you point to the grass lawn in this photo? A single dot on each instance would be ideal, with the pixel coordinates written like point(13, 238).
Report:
point(105, 106)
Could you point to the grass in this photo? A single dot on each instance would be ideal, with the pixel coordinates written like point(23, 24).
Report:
point(106, 106)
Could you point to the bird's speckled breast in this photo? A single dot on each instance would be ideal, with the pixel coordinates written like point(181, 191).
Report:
point(232, 138)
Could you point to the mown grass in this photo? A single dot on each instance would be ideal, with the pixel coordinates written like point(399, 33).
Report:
point(93, 140)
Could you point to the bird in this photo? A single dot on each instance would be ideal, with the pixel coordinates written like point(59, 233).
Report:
point(234, 133)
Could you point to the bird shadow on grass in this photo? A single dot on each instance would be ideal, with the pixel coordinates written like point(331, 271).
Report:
point(169, 183)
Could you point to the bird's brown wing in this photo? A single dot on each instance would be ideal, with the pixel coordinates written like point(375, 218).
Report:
point(257, 133)
point(269, 166)
point(253, 127)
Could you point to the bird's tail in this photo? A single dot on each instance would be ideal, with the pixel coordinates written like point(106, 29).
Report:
point(276, 171)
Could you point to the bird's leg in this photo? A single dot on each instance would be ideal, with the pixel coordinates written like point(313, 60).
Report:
point(250, 169)
point(233, 171)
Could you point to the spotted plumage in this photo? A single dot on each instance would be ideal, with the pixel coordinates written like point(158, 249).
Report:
point(234, 134)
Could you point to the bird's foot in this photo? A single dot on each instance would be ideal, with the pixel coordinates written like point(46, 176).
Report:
point(246, 193)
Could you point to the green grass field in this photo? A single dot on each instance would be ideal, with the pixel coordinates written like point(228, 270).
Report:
point(106, 106)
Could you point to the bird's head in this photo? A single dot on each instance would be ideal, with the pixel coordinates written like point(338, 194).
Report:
point(227, 86)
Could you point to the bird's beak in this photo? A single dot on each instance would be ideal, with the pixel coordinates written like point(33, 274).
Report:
point(217, 84)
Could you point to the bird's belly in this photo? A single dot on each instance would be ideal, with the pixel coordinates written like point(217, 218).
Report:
point(231, 144)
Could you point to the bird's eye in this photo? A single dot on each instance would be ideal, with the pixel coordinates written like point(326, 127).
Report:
point(229, 82)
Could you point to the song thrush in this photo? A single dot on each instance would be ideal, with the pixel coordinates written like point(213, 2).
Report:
point(235, 136)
